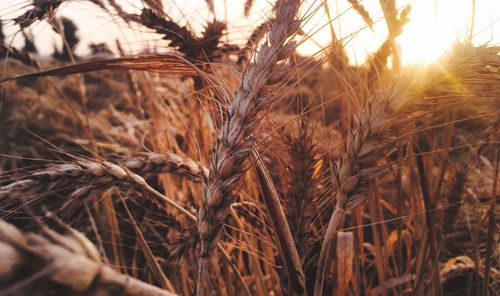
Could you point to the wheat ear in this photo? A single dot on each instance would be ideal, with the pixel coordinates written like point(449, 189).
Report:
point(353, 171)
point(69, 261)
point(41, 8)
point(357, 166)
point(234, 139)
point(57, 176)
point(149, 163)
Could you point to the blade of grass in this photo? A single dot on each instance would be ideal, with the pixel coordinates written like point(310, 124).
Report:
point(153, 263)
point(491, 229)
point(280, 225)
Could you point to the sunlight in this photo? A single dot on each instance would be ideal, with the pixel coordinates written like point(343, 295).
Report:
point(435, 25)
point(433, 28)
point(249, 147)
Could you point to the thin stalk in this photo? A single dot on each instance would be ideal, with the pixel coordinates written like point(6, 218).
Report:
point(429, 219)
point(326, 248)
point(491, 229)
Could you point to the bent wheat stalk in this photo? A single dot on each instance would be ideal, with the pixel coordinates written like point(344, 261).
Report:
point(234, 139)
point(149, 163)
point(57, 176)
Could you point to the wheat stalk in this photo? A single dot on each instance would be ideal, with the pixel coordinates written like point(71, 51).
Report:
point(395, 25)
point(301, 184)
point(149, 163)
point(357, 166)
point(101, 174)
point(234, 139)
point(210, 5)
point(122, 13)
point(195, 48)
point(353, 171)
point(2, 34)
point(70, 261)
point(41, 8)
point(286, 243)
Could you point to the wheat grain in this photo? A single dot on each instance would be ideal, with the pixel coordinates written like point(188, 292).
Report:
point(353, 171)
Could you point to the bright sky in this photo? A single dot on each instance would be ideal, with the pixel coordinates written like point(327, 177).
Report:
point(434, 24)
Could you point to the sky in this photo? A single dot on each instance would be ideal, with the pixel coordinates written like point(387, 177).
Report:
point(434, 25)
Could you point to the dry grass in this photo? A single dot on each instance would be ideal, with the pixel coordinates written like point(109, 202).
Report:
point(247, 169)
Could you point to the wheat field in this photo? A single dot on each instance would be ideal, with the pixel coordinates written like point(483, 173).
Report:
point(211, 166)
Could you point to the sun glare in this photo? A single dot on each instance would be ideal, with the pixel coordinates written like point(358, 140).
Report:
point(433, 28)
point(436, 25)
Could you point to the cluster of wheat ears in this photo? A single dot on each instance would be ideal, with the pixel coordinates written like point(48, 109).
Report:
point(215, 168)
